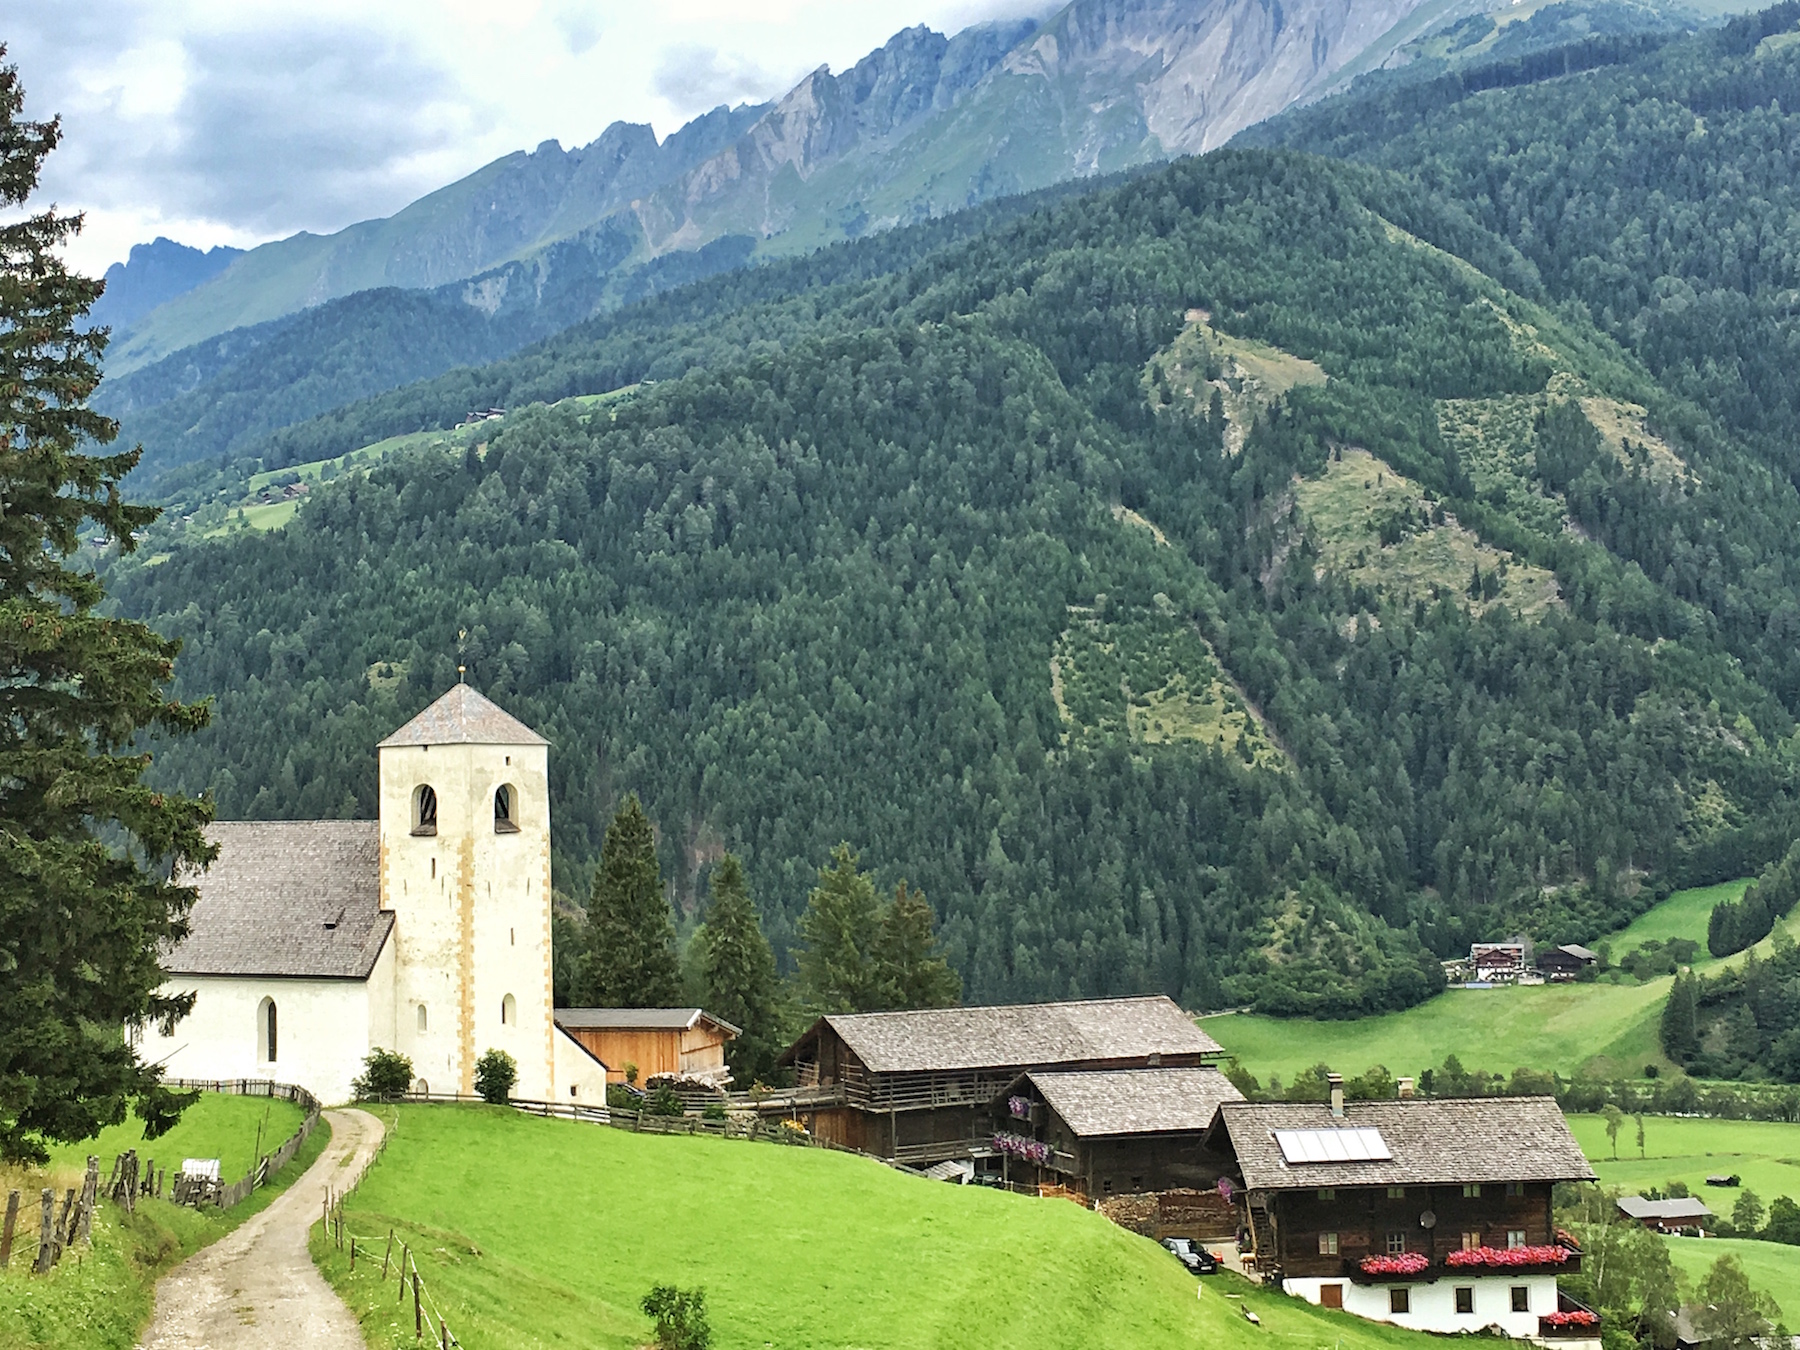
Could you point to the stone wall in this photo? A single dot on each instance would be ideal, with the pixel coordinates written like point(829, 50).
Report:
point(1178, 1213)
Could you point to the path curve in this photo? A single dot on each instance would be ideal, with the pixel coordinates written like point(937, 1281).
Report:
point(257, 1286)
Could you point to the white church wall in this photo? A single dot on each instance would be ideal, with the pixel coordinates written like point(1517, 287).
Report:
point(472, 909)
point(321, 1026)
point(579, 1076)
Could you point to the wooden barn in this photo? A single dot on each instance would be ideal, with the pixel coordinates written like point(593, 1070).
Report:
point(681, 1042)
point(1433, 1214)
point(1115, 1131)
point(918, 1087)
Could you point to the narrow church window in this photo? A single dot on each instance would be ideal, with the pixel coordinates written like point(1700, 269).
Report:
point(504, 803)
point(424, 810)
point(421, 1017)
point(509, 1011)
point(266, 1044)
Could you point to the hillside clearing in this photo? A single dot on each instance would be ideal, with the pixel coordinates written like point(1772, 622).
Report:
point(1764, 1154)
point(537, 1232)
point(1772, 1266)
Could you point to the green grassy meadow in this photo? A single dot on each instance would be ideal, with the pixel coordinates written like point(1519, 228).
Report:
point(1604, 1028)
point(101, 1298)
point(216, 1126)
point(1771, 1266)
point(1766, 1154)
point(537, 1232)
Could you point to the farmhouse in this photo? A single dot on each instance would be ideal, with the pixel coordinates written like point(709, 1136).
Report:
point(1499, 962)
point(1565, 962)
point(1666, 1216)
point(425, 931)
point(1112, 1131)
point(919, 1087)
point(1434, 1214)
point(686, 1043)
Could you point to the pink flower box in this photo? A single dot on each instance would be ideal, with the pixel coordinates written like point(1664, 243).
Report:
point(1407, 1263)
point(1509, 1256)
point(1580, 1317)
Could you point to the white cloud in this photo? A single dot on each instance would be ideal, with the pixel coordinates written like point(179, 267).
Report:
point(212, 121)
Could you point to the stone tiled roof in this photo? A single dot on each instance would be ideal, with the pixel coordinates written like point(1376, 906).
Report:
point(464, 717)
point(639, 1019)
point(1023, 1035)
point(1435, 1141)
point(1135, 1101)
point(287, 897)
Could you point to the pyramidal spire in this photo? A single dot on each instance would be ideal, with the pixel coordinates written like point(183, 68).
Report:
point(464, 716)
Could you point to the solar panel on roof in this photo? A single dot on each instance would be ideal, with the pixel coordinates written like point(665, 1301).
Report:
point(1328, 1146)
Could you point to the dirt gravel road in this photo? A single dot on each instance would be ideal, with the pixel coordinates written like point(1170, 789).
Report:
point(257, 1286)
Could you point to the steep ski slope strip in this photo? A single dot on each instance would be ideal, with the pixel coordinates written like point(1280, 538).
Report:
point(812, 590)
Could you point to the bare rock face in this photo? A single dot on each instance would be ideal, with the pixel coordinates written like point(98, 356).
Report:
point(922, 125)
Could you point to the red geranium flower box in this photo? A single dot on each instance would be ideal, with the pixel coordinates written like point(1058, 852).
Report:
point(1580, 1317)
point(1406, 1263)
point(1509, 1256)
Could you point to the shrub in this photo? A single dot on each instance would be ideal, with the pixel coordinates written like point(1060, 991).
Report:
point(714, 1111)
point(663, 1102)
point(621, 1098)
point(680, 1317)
point(495, 1074)
point(386, 1073)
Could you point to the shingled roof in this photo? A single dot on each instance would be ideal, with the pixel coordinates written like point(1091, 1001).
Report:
point(1435, 1142)
point(287, 897)
point(639, 1019)
point(1135, 1101)
point(464, 717)
point(1021, 1035)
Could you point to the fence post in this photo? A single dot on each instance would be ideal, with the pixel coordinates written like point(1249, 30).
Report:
point(12, 1224)
point(418, 1311)
point(353, 1254)
point(46, 1234)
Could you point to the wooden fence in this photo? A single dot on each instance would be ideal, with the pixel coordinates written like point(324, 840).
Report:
point(197, 1190)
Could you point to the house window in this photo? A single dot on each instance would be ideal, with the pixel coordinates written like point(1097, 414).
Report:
point(1521, 1298)
point(509, 1011)
point(1396, 1192)
point(1515, 1188)
point(1472, 1191)
point(1327, 1193)
point(424, 810)
point(1515, 1238)
point(1396, 1244)
point(1465, 1301)
point(1328, 1244)
point(1399, 1300)
point(1137, 1183)
point(1471, 1240)
point(421, 1017)
point(266, 1031)
point(506, 802)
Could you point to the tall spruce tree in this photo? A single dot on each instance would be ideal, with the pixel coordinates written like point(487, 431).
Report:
point(737, 974)
point(628, 959)
point(86, 849)
point(839, 933)
point(1680, 1030)
point(911, 971)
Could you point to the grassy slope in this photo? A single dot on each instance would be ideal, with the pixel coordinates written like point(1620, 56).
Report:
point(545, 1233)
point(216, 1126)
point(1771, 1266)
point(1601, 1028)
point(101, 1299)
point(1766, 1154)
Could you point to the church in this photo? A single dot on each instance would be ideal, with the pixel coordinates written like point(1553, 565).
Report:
point(426, 931)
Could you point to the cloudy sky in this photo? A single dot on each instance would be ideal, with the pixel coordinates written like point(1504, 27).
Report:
point(239, 121)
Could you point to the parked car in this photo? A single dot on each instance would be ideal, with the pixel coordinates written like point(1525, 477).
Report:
point(1192, 1255)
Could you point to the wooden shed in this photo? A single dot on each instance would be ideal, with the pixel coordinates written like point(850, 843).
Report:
point(685, 1042)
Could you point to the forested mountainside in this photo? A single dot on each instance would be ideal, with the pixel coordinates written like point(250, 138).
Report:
point(1187, 585)
point(845, 155)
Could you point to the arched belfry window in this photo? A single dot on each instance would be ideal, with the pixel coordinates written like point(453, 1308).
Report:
point(266, 1038)
point(421, 1017)
point(506, 807)
point(509, 1011)
point(424, 810)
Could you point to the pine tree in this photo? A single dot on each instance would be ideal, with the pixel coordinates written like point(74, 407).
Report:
point(85, 847)
point(910, 970)
point(628, 959)
point(737, 975)
point(839, 932)
point(1680, 1034)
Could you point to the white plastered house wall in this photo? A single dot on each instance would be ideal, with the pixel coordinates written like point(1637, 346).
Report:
point(1432, 1303)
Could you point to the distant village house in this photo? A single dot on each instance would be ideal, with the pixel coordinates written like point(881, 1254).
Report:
point(1666, 1216)
point(685, 1044)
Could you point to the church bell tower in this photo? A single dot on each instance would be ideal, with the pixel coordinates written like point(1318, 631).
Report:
point(465, 868)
